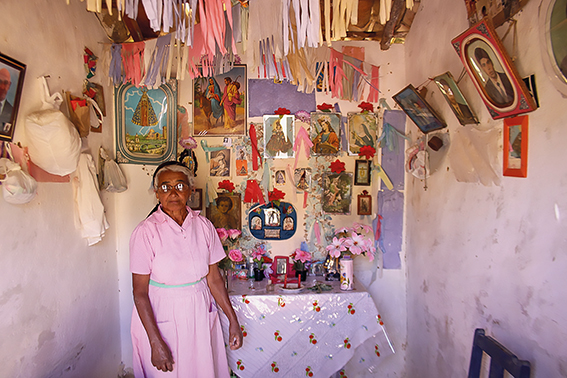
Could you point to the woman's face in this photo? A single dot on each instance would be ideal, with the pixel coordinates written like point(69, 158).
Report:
point(173, 200)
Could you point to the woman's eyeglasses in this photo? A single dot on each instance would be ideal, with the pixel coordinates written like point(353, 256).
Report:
point(179, 187)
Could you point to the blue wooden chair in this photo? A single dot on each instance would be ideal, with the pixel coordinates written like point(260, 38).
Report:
point(500, 358)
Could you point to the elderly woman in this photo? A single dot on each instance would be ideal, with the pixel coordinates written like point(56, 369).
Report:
point(174, 253)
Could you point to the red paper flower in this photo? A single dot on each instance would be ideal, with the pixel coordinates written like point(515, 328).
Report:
point(367, 151)
point(226, 185)
point(276, 195)
point(366, 106)
point(282, 111)
point(325, 107)
point(337, 166)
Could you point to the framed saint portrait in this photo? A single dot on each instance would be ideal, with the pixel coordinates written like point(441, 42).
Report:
point(325, 133)
point(337, 193)
point(225, 212)
point(220, 163)
point(146, 123)
point(362, 129)
point(279, 177)
point(420, 112)
point(279, 134)
point(302, 179)
point(273, 221)
point(220, 104)
point(516, 146)
point(455, 98)
point(492, 71)
point(362, 171)
point(12, 75)
point(364, 203)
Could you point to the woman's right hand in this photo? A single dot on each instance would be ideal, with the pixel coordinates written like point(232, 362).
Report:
point(161, 356)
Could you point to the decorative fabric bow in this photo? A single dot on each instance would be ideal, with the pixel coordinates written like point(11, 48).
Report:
point(366, 107)
point(367, 151)
point(276, 195)
point(337, 166)
point(226, 185)
point(324, 107)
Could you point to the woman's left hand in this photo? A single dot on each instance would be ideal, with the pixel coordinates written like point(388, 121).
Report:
point(235, 338)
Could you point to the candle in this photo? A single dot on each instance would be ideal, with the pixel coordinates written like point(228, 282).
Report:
point(285, 282)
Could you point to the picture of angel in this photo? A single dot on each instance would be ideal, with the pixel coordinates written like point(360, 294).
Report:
point(279, 136)
point(325, 133)
point(362, 130)
point(337, 193)
point(220, 163)
point(302, 178)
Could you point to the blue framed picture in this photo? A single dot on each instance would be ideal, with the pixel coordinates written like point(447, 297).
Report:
point(420, 112)
point(146, 124)
point(275, 220)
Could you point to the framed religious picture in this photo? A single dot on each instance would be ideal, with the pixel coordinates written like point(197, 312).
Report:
point(302, 179)
point(337, 193)
point(278, 177)
point(364, 203)
point(220, 103)
point(220, 163)
point(492, 71)
point(362, 129)
point(225, 211)
point(516, 146)
point(279, 132)
point(420, 112)
point(196, 200)
point(455, 98)
point(325, 133)
point(146, 123)
point(12, 75)
point(362, 170)
point(274, 220)
point(241, 161)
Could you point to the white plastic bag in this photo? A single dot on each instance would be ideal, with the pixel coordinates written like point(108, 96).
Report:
point(113, 178)
point(53, 142)
point(18, 187)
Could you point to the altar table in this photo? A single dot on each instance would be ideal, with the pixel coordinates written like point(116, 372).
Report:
point(305, 333)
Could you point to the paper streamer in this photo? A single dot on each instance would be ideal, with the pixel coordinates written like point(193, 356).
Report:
point(317, 231)
point(382, 174)
point(253, 193)
point(255, 151)
point(302, 140)
point(208, 149)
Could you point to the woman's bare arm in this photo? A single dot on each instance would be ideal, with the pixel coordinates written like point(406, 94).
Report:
point(162, 358)
point(216, 285)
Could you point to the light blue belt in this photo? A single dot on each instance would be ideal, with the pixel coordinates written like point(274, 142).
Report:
point(154, 283)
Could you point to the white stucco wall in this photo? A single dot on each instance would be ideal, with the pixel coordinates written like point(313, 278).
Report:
point(58, 297)
point(490, 257)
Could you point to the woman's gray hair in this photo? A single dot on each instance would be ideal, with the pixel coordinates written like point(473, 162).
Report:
point(174, 168)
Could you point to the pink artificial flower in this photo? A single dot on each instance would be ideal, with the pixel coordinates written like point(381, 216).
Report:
point(356, 244)
point(343, 230)
point(223, 234)
point(364, 227)
point(235, 255)
point(336, 247)
point(302, 256)
point(257, 254)
point(233, 234)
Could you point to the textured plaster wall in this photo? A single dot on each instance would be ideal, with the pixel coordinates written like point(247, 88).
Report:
point(490, 257)
point(58, 297)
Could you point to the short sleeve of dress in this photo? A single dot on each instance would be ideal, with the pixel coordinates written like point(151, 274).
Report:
point(141, 252)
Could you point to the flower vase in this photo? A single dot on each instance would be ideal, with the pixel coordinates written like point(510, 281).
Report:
point(258, 274)
point(347, 273)
point(302, 273)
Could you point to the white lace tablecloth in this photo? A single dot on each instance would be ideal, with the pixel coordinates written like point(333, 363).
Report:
point(306, 334)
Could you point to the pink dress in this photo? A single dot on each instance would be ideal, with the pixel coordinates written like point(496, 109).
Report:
point(187, 316)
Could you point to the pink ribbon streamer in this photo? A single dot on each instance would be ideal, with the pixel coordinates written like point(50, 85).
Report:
point(305, 199)
point(378, 231)
point(336, 70)
point(302, 138)
point(374, 94)
point(317, 232)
